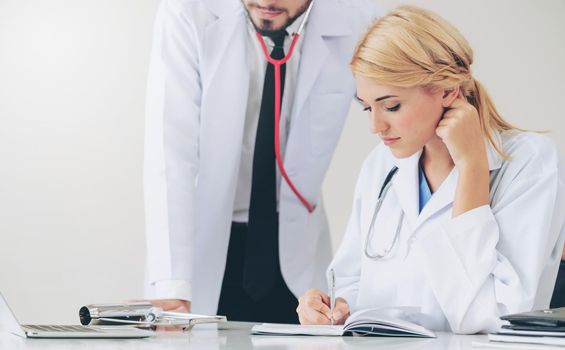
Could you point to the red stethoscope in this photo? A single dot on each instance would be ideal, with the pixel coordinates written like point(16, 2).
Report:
point(277, 65)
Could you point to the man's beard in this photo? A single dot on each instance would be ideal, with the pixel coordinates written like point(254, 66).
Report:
point(267, 28)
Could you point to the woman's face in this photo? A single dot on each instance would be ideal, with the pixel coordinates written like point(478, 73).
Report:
point(404, 118)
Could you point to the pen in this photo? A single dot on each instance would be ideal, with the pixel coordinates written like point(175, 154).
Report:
point(332, 295)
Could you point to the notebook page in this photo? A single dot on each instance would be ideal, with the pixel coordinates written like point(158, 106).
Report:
point(294, 329)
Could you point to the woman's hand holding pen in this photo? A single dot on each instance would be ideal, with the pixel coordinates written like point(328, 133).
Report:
point(314, 308)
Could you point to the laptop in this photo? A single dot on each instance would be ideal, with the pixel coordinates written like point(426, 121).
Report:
point(9, 323)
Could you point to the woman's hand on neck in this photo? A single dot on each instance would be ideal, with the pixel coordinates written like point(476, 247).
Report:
point(461, 131)
point(473, 182)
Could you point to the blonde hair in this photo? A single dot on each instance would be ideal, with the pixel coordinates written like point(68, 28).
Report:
point(412, 47)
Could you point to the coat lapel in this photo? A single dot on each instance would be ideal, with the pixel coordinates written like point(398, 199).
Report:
point(315, 51)
point(445, 194)
point(225, 49)
point(225, 89)
point(224, 59)
point(441, 198)
point(405, 184)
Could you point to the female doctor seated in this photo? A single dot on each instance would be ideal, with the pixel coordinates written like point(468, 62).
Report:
point(456, 212)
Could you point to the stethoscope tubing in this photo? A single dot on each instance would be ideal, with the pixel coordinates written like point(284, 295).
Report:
point(277, 67)
point(382, 195)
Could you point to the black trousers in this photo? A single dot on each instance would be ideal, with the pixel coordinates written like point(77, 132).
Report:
point(558, 299)
point(279, 306)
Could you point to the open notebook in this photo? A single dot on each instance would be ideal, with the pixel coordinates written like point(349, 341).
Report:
point(373, 322)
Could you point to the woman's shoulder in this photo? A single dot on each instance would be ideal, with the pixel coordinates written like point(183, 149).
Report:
point(530, 148)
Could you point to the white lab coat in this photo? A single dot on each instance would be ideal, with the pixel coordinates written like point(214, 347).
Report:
point(196, 104)
point(463, 272)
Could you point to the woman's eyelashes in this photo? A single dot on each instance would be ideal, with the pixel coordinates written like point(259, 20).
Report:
point(394, 108)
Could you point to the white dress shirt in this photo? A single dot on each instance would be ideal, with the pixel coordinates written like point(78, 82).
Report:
point(257, 68)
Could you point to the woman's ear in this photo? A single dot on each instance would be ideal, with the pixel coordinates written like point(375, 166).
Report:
point(449, 95)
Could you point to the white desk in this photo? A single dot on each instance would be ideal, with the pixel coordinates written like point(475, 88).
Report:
point(237, 337)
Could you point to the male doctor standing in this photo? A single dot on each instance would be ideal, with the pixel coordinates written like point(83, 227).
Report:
point(226, 233)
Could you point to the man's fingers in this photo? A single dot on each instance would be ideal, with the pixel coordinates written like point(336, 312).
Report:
point(175, 305)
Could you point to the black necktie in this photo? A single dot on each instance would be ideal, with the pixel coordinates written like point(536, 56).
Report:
point(261, 257)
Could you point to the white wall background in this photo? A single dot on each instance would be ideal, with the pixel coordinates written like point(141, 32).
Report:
point(72, 80)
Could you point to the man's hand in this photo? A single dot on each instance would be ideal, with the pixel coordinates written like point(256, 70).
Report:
point(173, 305)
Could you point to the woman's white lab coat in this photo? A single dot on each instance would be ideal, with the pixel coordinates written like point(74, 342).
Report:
point(463, 272)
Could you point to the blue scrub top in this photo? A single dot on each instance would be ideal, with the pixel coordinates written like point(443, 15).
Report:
point(425, 193)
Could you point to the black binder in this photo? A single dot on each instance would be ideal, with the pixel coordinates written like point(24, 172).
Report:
point(548, 320)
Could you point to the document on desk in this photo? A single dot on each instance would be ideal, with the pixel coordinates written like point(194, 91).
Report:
point(369, 322)
point(141, 314)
